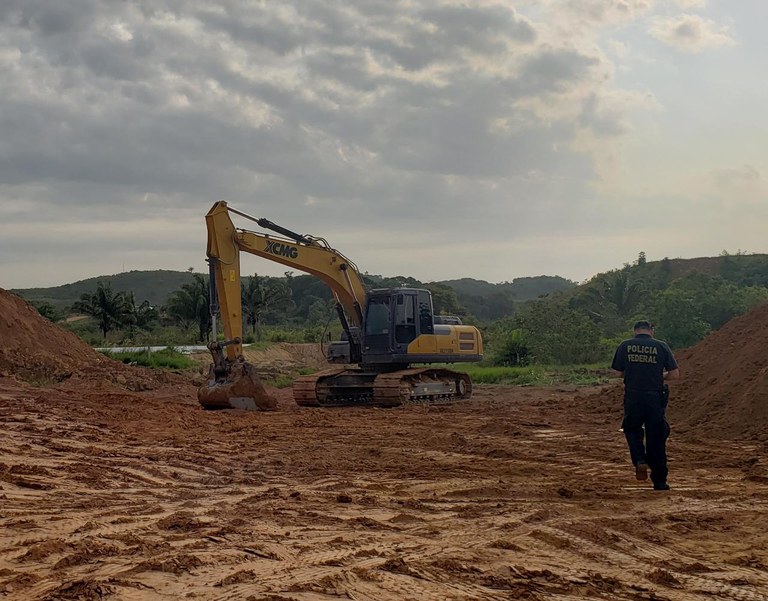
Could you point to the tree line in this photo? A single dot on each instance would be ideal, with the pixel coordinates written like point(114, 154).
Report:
point(302, 307)
point(584, 325)
point(581, 324)
point(187, 308)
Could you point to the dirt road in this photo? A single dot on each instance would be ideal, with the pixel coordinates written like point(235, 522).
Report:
point(521, 493)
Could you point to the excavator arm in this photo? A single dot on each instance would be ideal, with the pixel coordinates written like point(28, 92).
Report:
point(232, 381)
point(303, 253)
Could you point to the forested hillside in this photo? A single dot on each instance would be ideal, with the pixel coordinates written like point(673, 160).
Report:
point(544, 319)
point(152, 286)
point(686, 298)
point(489, 302)
point(480, 299)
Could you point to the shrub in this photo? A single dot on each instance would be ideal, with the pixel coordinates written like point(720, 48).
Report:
point(167, 358)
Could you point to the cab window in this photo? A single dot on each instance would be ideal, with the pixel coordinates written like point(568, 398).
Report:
point(426, 325)
point(405, 318)
point(377, 317)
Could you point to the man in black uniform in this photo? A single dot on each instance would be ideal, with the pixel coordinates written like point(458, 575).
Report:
point(645, 363)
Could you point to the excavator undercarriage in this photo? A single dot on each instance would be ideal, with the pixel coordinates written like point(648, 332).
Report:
point(371, 388)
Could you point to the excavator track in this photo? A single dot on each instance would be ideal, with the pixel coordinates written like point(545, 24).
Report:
point(361, 388)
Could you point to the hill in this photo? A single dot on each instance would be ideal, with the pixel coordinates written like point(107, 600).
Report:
point(743, 269)
point(489, 302)
point(526, 288)
point(152, 286)
point(482, 299)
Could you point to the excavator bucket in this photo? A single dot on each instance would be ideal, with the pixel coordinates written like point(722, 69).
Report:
point(235, 386)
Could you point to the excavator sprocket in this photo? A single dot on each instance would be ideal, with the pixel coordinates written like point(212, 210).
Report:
point(359, 387)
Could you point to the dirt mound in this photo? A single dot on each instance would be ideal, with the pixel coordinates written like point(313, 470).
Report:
point(285, 357)
point(723, 386)
point(277, 359)
point(33, 348)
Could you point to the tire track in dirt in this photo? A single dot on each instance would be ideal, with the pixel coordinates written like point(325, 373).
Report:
point(643, 563)
point(492, 499)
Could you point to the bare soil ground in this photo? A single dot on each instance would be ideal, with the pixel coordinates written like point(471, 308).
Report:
point(115, 484)
point(520, 493)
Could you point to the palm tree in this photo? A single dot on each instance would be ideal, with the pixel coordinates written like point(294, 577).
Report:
point(618, 290)
point(141, 315)
point(259, 295)
point(110, 309)
point(191, 305)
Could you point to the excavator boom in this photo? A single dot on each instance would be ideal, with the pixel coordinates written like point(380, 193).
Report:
point(310, 255)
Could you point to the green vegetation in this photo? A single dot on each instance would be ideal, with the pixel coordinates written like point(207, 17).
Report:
point(48, 311)
point(534, 329)
point(110, 310)
point(687, 299)
point(535, 375)
point(260, 295)
point(481, 300)
point(190, 306)
point(168, 358)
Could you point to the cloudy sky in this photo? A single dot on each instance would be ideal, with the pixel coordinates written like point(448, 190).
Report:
point(433, 138)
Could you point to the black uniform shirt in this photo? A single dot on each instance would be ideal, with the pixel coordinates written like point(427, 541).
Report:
point(643, 360)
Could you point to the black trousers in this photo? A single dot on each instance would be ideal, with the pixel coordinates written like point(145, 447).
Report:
point(646, 430)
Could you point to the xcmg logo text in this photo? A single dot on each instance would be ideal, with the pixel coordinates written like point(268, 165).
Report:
point(282, 250)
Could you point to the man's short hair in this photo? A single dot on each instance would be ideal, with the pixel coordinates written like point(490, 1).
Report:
point(643, 325)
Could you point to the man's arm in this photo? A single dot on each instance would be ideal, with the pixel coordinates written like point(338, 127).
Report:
point(672, 374)
point(619, 361)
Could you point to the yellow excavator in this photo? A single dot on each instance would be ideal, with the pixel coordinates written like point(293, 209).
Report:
point(385, 331)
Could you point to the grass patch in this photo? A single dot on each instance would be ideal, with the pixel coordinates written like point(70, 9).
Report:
point(280, 381)
point(167, 358)
point(286, 380)
point(532, 375)
point(535, 375)
point(258, 345)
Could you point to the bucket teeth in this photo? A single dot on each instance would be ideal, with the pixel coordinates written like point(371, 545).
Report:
point(240, 388)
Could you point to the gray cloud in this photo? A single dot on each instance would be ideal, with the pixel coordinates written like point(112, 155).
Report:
point(603, 121)
point(689, 33)
point(554, 70)
point(691, 3)
point(338, 116)
point(603, 12)
point(730, 177)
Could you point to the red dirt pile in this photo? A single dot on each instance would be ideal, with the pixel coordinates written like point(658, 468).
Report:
point(723, 389)
point(35, 350)
point(723, 386)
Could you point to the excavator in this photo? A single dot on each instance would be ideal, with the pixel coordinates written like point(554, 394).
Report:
point(390, 335)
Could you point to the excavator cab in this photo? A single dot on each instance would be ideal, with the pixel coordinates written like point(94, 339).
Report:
point(400, 328)
point(393, 318)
